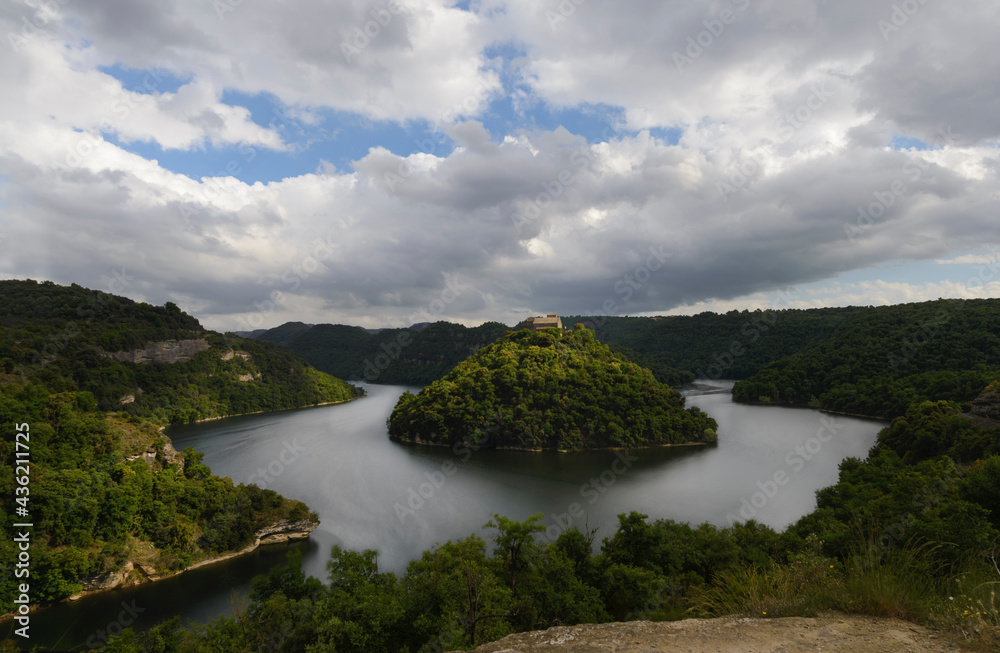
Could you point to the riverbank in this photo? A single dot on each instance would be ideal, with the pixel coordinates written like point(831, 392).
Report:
point(137, 572)
point(277, 410)
point(858, 415)
point(475, 446)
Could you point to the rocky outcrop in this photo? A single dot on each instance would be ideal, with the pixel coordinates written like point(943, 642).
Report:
point(130, 397)
point(170, 455)
point(229, 355)
point(285, 531)
point(985, 411)
point(831, 633)
point(130, 574)
point(107, 581)
point(168, 351)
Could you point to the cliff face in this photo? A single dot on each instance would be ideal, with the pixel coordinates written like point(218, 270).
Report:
point(985, 411)
point(168, 351)
point(170, 455)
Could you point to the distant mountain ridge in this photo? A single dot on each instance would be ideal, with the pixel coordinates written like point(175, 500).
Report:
point(731, 345)
point(416, 355)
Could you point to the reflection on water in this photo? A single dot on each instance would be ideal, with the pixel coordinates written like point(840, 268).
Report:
point(402, 499)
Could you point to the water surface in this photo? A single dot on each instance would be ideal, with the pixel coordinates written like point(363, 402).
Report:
point(402, 499)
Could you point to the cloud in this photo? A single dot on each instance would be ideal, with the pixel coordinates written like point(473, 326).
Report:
point(783, 173)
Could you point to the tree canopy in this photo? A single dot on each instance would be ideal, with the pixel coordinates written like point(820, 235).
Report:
point(549, 390)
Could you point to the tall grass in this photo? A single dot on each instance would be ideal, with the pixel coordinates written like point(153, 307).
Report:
point(898, 582)
point(972, 607)
point(808, 584)
point(908, 582)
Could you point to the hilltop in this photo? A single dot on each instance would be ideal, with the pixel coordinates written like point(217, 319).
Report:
point(88, 379)
point(550, 389)
point(153, 362)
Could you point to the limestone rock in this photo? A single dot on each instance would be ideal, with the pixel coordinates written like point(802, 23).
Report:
point(168, 351)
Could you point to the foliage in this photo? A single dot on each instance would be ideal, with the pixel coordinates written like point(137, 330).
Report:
point(884, 358)
point(93, 500)
point(411, 356)
point(418, 355)
point(62, 345)
point(90, 506)
point(732, 345)
point(548, 390)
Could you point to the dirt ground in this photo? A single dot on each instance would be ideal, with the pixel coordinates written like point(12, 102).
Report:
point(834, 633)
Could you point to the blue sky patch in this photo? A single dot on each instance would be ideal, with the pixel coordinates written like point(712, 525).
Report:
point(147, 81)
point(907, 143)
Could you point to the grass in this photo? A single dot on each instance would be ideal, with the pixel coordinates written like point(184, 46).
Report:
point(906, 583)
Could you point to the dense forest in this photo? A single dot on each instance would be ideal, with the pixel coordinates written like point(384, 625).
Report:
point(549, 390)
point(61, 337)
point(732, 345)
point(96, 501)
point(417, 355)
point(788, 356)
point(93, 509)
point(910, 532)
point(887, 357)
point(410, 356)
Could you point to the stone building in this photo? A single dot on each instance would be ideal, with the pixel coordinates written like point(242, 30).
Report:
point(550, 321)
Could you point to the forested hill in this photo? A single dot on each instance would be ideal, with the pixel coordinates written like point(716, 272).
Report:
point(76, 339)
point(885, 358)
point(86, 379)
point(411, 356)
point(733, 345)
point(676, 349)
point(549, 390)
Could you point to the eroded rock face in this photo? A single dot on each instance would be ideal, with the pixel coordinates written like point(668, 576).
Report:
point(107, 581)
point(987, 405)
point(170, 455)
point(286, 530)
point(168, 351)
point(985, 410)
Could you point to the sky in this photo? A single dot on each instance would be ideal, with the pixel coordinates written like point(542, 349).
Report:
point(381, 163)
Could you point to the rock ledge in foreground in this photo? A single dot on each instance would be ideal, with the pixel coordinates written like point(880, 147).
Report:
point(830, 633)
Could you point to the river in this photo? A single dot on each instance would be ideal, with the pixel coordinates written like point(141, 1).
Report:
point(402, 499)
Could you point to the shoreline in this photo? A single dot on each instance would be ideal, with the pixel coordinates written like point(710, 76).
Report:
point(263, 537)
point(858, 415)
point(297, 531)
point(262, 412)
point(822, 410)
point(424, 443)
